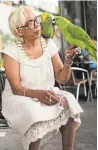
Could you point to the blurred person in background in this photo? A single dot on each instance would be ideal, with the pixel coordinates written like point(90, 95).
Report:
point(30, 102)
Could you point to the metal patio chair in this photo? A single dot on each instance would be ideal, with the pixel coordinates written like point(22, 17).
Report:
point(74, 82)
point(92, 81)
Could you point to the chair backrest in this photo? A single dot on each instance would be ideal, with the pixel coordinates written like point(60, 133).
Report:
point(77, 76)
point(92, 75)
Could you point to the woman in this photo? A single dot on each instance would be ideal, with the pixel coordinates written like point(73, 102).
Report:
point(30, 102)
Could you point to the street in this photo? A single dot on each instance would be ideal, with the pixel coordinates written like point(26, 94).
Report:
point(86, 136)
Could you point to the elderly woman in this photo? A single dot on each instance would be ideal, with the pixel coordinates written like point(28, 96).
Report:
point(30, 102)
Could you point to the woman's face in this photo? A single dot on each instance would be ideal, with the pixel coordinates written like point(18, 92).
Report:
point(31, 28)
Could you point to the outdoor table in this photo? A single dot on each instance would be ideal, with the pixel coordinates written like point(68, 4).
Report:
point(82, 62)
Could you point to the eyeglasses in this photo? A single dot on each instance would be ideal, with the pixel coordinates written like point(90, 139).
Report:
point(31, 23)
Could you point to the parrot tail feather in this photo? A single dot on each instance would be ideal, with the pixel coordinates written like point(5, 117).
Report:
point(95, 49)
point(93, 53)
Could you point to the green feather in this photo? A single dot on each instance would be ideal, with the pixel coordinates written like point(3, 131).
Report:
point(47, 29)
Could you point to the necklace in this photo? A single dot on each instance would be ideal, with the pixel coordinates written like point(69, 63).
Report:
point(43, 45)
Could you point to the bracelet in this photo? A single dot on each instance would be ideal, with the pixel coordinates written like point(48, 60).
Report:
point(68, 64)
point(24, 92)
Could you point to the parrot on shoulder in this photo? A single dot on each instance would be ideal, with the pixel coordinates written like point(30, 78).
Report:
point(75, 35)
point(47, 28)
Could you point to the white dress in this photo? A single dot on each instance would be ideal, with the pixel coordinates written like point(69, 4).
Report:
point(27, 115)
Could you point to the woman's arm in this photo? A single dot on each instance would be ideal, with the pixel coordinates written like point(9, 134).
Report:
point(13, 75)
point(62, 72)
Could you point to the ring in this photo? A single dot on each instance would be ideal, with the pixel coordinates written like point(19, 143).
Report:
point(50, 100)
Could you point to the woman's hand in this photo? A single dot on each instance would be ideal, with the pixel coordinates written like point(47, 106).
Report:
point(70, 52)
point(47, 97)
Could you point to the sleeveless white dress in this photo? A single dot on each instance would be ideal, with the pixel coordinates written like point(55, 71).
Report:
point(27, 115)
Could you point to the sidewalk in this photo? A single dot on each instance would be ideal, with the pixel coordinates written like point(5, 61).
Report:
point(86, 137)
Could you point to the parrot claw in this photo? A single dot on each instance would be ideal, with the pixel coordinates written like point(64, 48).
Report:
point(76, 52)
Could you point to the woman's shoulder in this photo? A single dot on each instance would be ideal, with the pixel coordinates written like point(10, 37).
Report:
point(52, 47)
point(9, 47)
point(49, 41)
point(10, 50)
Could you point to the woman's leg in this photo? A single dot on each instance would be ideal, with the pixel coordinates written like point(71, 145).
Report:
point(34, 145)
point(68, 134)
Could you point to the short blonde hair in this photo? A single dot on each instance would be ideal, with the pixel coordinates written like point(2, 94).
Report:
point(17, 18)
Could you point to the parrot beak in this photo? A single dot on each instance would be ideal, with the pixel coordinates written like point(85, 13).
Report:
point(53, 22)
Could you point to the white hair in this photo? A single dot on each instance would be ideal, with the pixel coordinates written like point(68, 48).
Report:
point(17, 18)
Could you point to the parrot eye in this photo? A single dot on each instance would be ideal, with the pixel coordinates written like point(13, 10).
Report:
point(53, 21)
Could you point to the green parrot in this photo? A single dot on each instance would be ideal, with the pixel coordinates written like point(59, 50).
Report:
point(47, 29)
point(75, 35)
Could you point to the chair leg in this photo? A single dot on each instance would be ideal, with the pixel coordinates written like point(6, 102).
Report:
point(95, 91)
point(77, 92)
point(85, 90)
point(90, 96)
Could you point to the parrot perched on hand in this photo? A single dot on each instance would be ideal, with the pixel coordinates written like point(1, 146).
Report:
point(47, 29)
point(76, 35)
